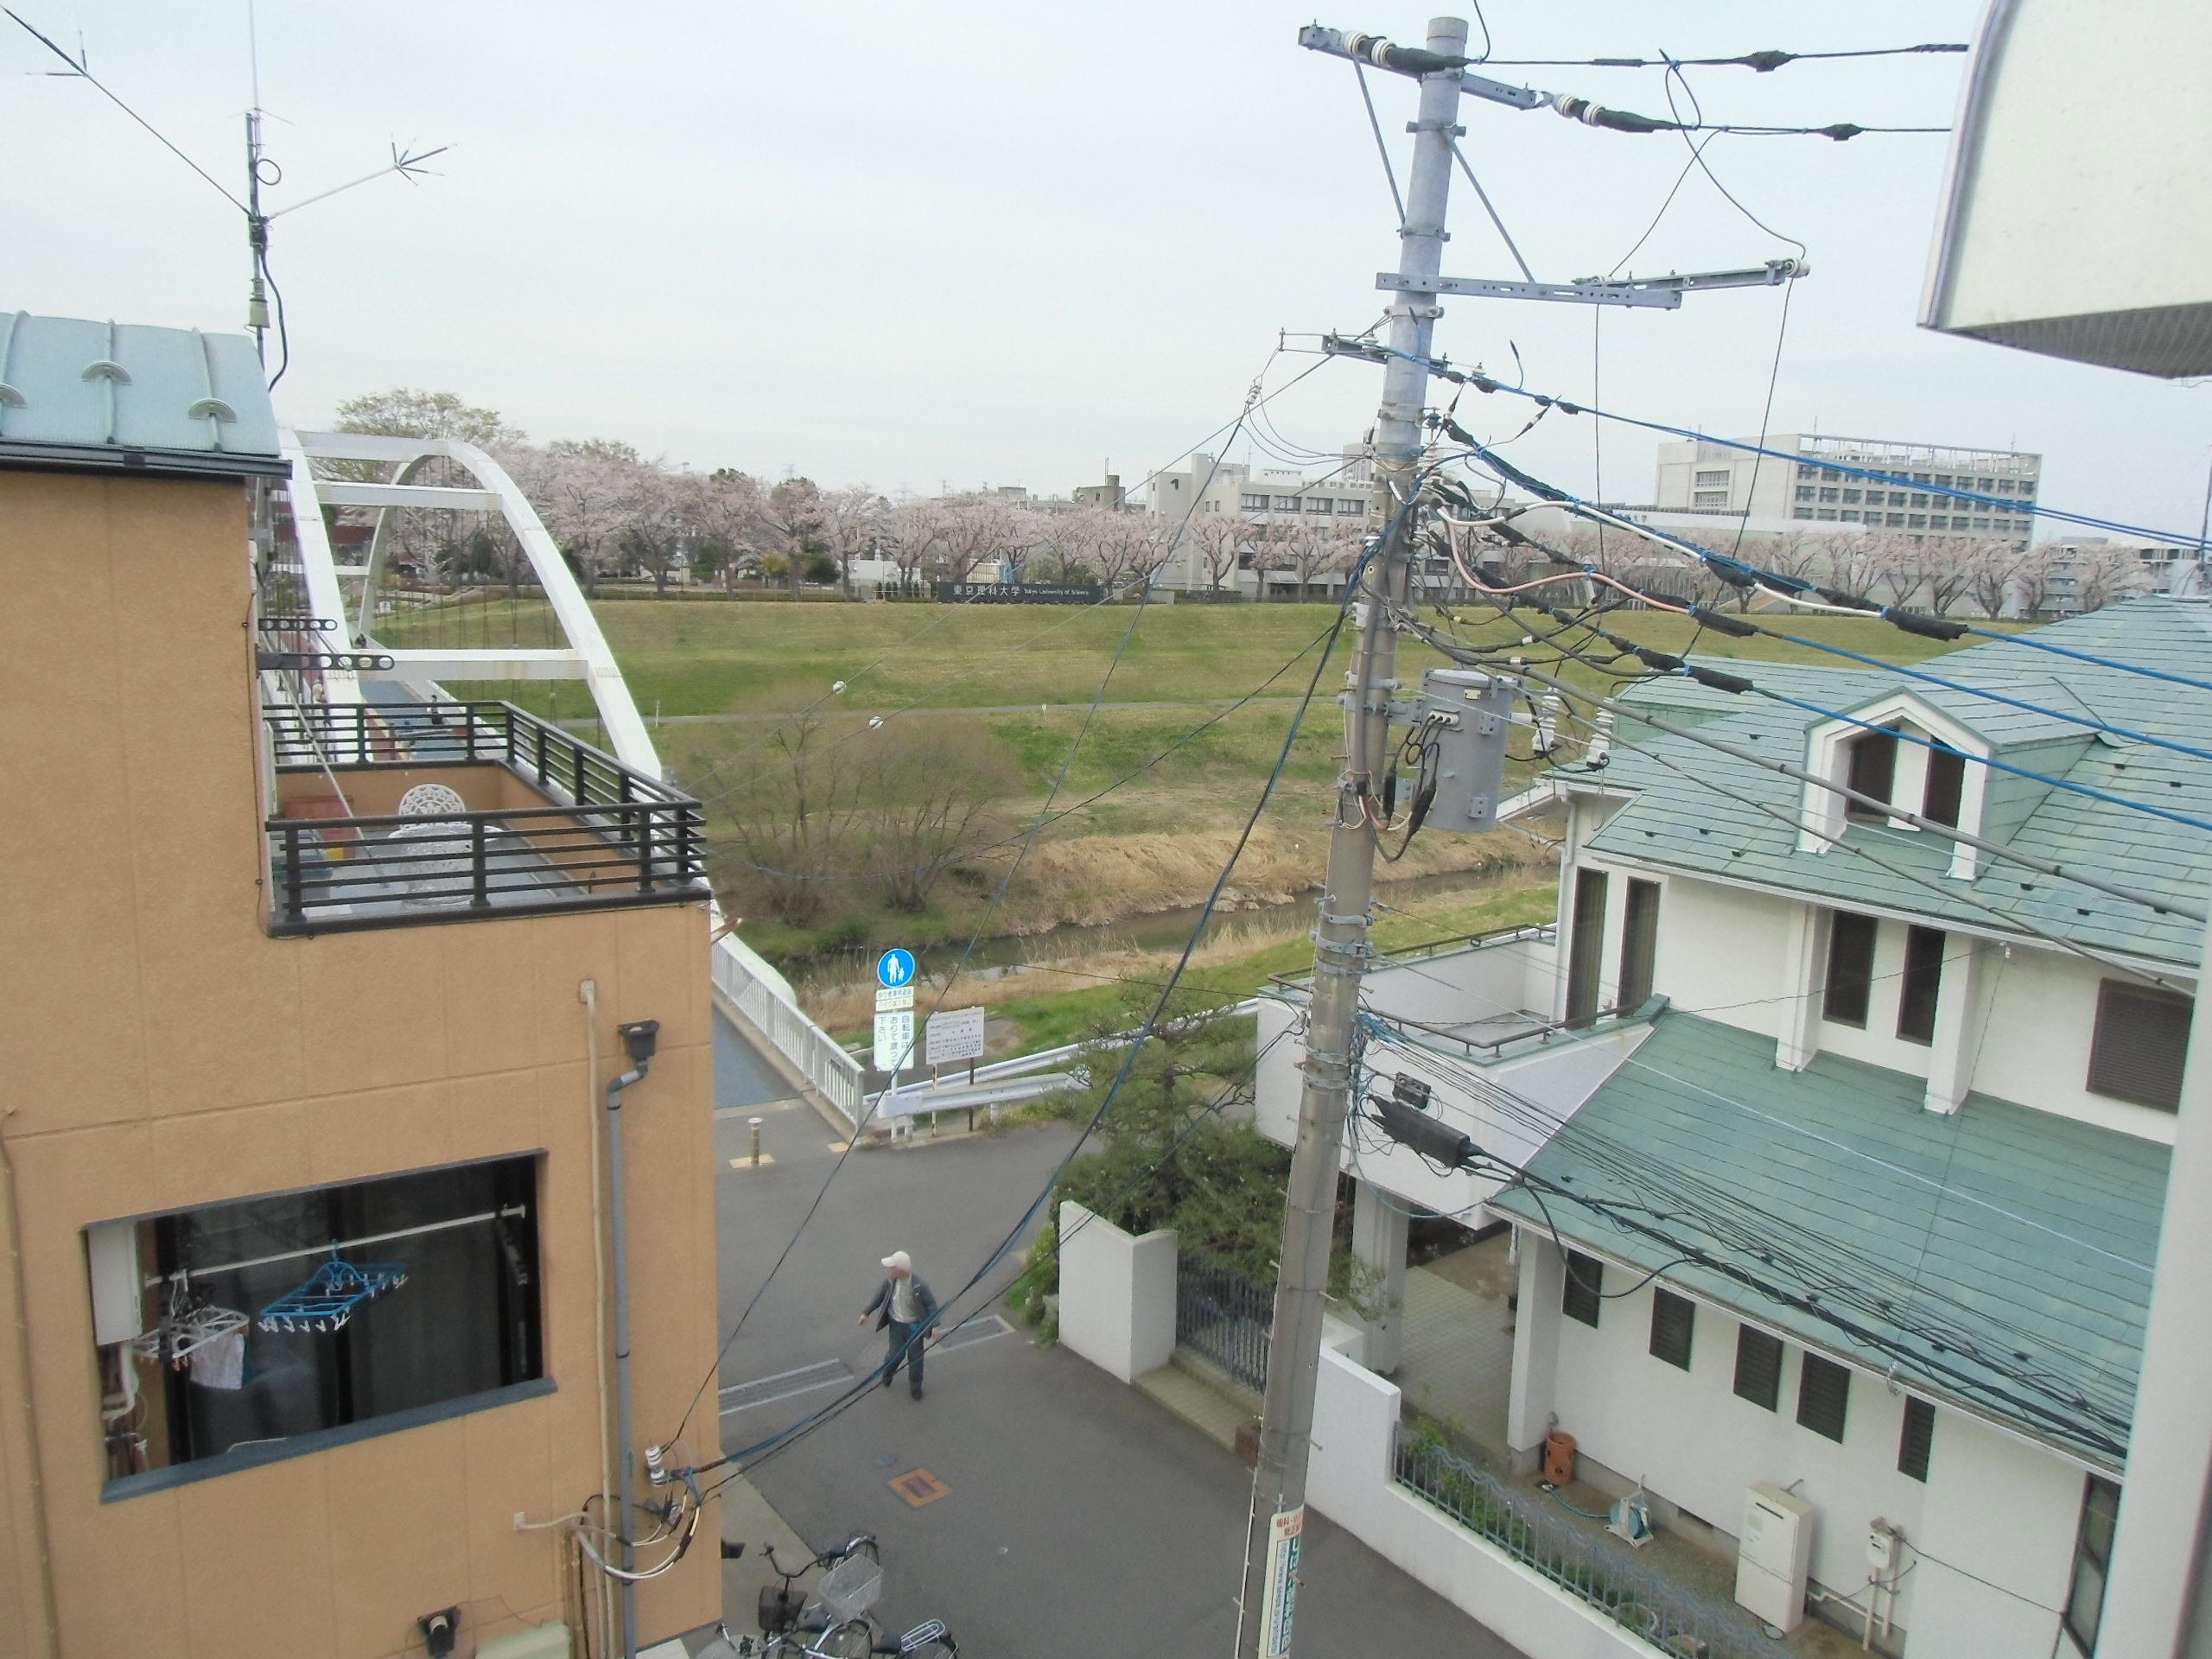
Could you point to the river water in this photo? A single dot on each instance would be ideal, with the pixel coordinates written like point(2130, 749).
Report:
point(1163, 930)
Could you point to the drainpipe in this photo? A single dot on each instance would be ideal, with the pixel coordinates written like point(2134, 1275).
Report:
point(640, 1036)
point(588, 991)
point(47, 1613)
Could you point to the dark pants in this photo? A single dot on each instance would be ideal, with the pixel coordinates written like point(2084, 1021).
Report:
point(900, 1335)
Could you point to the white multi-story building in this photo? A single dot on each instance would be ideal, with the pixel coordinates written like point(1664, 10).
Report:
point(1814, 487)
point(1833, 1151)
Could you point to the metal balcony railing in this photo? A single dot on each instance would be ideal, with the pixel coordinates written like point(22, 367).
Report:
point(610, 837)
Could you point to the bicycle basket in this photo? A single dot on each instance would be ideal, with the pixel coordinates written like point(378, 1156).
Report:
point(849, 1589)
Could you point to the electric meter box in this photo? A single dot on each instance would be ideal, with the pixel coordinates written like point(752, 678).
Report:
point(1466, 715)
point(1774, 1556)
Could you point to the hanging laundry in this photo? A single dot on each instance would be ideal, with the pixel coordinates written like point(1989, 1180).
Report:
point(221, 1364)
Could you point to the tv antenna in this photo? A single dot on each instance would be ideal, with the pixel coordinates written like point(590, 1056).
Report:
point(261, 173)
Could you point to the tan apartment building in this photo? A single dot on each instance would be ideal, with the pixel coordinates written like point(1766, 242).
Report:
point(302, 1309)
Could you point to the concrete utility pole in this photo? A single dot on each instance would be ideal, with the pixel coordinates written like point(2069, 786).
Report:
point(1264, 1615)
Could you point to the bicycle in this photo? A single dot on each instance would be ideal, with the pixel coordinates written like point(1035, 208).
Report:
point(781, 1606)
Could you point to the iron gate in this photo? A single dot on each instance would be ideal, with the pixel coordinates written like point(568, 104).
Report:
point(1225, 1317)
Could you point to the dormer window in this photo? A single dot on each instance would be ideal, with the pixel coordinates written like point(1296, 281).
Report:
point(1906, 765)
point(1870, 770)
point(1946, 787)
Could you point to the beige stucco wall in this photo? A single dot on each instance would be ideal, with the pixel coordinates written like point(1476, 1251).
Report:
point(158, 1050)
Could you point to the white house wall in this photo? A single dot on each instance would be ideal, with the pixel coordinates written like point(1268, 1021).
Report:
point(2042, 1016)
point(1723, 953)
point(1693, 1442)
point(2007, 1515)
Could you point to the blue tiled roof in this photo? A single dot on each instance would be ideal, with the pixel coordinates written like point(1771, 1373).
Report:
point(77, 393)
point(2000, 1258)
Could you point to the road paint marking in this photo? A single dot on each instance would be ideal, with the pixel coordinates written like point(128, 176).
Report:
point(830, 1373)
point(785, 1385)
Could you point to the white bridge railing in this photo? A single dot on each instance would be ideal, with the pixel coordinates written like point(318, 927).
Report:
point(765, 998)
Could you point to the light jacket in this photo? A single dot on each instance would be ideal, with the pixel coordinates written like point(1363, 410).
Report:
point(923, 1299)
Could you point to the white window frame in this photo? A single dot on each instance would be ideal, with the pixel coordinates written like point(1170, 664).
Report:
point(1822, 811)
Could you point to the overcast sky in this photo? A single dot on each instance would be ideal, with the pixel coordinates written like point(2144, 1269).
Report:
point(982, 243)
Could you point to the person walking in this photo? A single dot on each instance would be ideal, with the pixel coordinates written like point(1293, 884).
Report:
point(901, 1304)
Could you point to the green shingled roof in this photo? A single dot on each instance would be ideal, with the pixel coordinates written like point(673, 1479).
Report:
point(2000, 1258)
point(103, 395)
point(1676, 818)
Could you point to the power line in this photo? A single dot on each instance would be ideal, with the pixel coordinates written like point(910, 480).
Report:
point(1765, 62)
point(997, 898)
point(1486, 383)
point(1887, 809)
point(1712, 677)
point(752, 1456)
point(1181, 743)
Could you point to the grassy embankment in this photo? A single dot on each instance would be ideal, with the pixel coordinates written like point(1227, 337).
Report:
point(725, 676)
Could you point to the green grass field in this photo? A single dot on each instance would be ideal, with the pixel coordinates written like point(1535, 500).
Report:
point(1161, 753)
point(708, 658)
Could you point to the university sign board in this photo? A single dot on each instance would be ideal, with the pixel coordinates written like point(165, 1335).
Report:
point(1019, 593)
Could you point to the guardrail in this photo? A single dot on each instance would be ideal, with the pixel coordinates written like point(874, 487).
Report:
point(758, 992)
point(309, 736)
point(1673, 1618)
point(348, 872)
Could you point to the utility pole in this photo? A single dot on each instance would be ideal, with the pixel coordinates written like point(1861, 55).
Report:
point(1341, 950)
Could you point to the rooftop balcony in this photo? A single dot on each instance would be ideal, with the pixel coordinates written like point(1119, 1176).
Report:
point(392, 814)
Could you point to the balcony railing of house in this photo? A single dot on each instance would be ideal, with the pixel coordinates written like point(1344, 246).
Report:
point(609, 836)
point(1584, 1562)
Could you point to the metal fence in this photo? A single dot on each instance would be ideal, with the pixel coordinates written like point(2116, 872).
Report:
point(1220, 1314)
point(1593, 1567)
point(750, 985)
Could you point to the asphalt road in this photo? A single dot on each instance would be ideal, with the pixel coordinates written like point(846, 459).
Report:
point(1078, 1517)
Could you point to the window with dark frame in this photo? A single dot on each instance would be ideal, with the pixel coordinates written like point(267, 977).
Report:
point(1639, 943)
point(1759, 1367)
point(1585, 946)
point(2141, 1040)
point(2085, 1596)
point(1870, 769)
point(1918, 1438)
point(1584, 1291)
point(1851, 969)
point(1674, 1321)
point(1922, 986)
point(465, 1319)
point(1823, 1396)
point(1946, 788)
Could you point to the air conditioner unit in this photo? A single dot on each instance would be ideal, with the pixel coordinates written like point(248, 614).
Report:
point(1774, 1556)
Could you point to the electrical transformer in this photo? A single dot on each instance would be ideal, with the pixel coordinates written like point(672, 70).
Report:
point(1464, 715)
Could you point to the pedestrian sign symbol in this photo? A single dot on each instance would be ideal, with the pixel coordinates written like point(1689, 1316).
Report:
point(894, 968)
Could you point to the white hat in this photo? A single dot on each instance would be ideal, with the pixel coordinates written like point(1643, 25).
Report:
point(900, 1262)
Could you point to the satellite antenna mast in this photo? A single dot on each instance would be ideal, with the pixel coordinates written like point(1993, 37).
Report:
point(260, 172)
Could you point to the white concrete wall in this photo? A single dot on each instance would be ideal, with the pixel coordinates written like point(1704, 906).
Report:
point(1724, 953)
point(2043, 1015)
point(1463, 985)
point(1117, 1294)
point(1692, 1442)
point(1557, 1078)
point(2007, 1515)
point(1350, 1480)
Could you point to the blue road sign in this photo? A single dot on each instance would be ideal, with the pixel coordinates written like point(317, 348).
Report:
point(893, 968)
